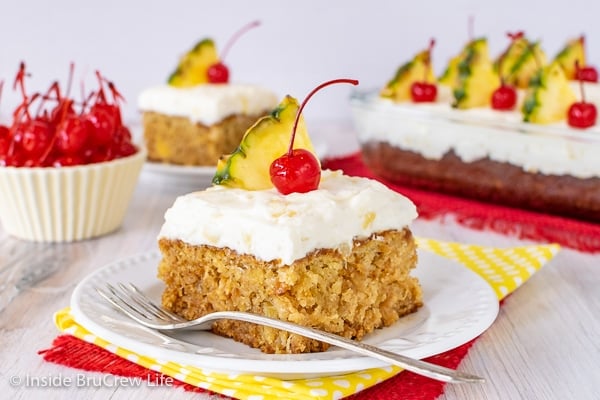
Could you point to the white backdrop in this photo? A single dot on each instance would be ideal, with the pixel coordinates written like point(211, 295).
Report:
point(299, 44)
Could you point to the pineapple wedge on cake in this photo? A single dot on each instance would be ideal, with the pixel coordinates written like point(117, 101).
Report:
point(520, 131)
point(518, 81)
point(549, 96)
point(193, 66)
point(247, 167)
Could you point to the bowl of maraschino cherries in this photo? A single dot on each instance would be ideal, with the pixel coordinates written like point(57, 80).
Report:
point(68, 167)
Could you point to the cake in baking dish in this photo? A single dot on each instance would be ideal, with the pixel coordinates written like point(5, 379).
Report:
point(538, 152)
point(198, 115)
point(337, 257)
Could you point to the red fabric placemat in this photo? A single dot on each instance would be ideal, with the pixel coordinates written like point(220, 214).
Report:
point(73, 352)
point(528, 225)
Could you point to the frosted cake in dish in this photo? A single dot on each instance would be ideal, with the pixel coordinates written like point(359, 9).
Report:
point(528, 156)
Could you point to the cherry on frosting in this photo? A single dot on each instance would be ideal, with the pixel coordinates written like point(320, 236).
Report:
point(423, 91)
point(298, 170)
point(504, 97)
point(586, 73)
point(218, 73)
point(582, 114)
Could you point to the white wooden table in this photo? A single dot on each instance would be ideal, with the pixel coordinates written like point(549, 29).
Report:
point(545, 343)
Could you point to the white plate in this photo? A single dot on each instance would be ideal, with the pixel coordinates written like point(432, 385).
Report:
point(459, 305)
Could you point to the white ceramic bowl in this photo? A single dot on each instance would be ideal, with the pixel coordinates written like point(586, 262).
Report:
point(69, 203)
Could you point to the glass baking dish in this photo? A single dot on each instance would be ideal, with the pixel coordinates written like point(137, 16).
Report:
point(480, 153)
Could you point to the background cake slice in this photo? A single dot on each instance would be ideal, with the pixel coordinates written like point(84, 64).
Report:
point(199, 115)
point(196, 125)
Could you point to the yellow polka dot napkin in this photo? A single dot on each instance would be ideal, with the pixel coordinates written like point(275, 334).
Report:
point(504, 269)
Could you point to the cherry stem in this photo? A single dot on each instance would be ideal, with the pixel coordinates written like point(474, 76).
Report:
point(471, 28)
point(580, 81)
point(1, 87)
point(23, 108)
point(54, 87)
point(431, 44)
point(20, 81)
point(299, 112)
point(516, 35)
point(513, 37)
point(64, 110)
point(117, 97)
point(428, 63)
point(70, 79)
point(84, 99)
point(100, 93)
point(235, 37)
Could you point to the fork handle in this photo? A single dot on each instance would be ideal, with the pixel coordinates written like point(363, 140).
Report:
point(420, 367)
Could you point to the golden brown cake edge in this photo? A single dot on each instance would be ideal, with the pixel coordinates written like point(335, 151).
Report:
point(350, 293)
point(178, 140)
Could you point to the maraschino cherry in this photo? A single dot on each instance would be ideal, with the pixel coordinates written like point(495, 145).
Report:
point(60, 135)
point(298, 170)
point(586, 73)
point(504, 98)
point(32, 135)
point(582, 114)
point(218, 72)
point(424, 92)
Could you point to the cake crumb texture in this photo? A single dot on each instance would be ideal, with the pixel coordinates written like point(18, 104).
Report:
point(349, 293)
point(178, 140)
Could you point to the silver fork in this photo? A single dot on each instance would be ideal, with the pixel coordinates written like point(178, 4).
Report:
point(135, 304)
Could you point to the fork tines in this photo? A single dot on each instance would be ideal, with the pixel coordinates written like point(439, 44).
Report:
point(133, 302)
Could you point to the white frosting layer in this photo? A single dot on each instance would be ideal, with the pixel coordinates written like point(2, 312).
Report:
point(271, 226)
point(208, 103)
point(434, 129)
